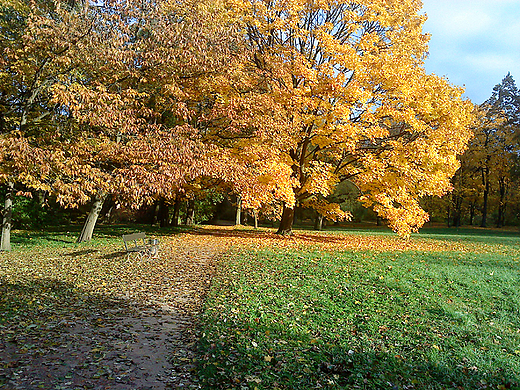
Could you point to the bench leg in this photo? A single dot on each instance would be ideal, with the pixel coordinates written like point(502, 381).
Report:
point(138, 255)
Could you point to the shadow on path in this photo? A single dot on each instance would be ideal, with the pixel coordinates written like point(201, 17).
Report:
point(60, 328)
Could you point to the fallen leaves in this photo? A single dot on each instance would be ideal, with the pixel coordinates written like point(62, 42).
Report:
point(331, 242)
point(93, 318)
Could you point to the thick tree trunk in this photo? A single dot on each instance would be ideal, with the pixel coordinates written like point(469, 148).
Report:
point(90, 223)
point(5, 244)
point(238, 216)
point(286, 223)
point(190, 213)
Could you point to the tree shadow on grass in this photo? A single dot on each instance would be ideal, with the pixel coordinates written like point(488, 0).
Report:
point(81, 253)
point(59, 236)
point(262, 234)
point(229, 233)
point(114, 255)
point(267, 356)
point(54, 335)
point(28, 239)
point(317, 238)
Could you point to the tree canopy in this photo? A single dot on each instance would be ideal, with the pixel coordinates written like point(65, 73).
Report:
point(346, 86)
point(277, 101)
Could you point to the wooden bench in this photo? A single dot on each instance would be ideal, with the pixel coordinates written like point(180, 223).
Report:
point(136, 243)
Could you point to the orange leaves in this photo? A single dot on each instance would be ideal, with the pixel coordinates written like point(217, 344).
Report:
point(265, 238)
point(320, 179)
point(346, 80)
point(117, 87)
point(278, 101)
point(265, 180)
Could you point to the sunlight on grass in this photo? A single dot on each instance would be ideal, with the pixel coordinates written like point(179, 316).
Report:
point(309, 318)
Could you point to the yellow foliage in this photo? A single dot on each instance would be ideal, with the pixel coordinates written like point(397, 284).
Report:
point(352, 101)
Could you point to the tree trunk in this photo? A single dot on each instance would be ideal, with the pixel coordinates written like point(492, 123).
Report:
point(40, 195)
point(485, 206)
point(485, 181)
point(156, 211)
point(286, 223)
point(449, 213)
point(109, 215)
point(164, 213)
point(190, 213)
point(457, 211)
point(5, 245)
point(90, 223)
point(109, 207)
point(255, 216)
point(471, 213)
point(176, 213)
point(318, 222)
point(238, 216)
point(502, 203)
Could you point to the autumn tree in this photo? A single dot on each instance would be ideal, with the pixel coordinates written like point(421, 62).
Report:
point(494, 147)
point(59, 57)
point(53, 52)
point(187, 51)
point(35, 48)
point(464, 199)
point(486, 178)
point(506, 99)
point(343, 96)
point(124, 86)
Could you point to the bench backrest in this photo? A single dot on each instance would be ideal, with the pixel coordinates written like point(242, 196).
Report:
point(133, 237)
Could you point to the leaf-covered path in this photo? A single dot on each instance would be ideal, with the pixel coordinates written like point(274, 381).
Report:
point(91, 319)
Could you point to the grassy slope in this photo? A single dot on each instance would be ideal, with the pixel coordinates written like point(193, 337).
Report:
point(308, 318)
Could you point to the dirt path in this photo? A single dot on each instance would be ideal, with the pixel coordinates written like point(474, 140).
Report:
point(140, 336)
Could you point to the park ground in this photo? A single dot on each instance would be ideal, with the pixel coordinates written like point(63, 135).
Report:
point(235, 308)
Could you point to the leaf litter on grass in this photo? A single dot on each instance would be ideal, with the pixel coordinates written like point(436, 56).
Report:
point(380, 312)
point(76, 317)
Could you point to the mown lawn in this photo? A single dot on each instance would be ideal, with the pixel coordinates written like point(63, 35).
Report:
point(316, 317)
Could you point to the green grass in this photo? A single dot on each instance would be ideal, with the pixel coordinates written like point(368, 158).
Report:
point(306, 319)
point(66, 236)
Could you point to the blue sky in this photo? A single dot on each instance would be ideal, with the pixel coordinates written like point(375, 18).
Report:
point(474, 43)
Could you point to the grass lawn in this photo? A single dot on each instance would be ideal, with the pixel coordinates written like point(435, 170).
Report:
point(319, 316)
